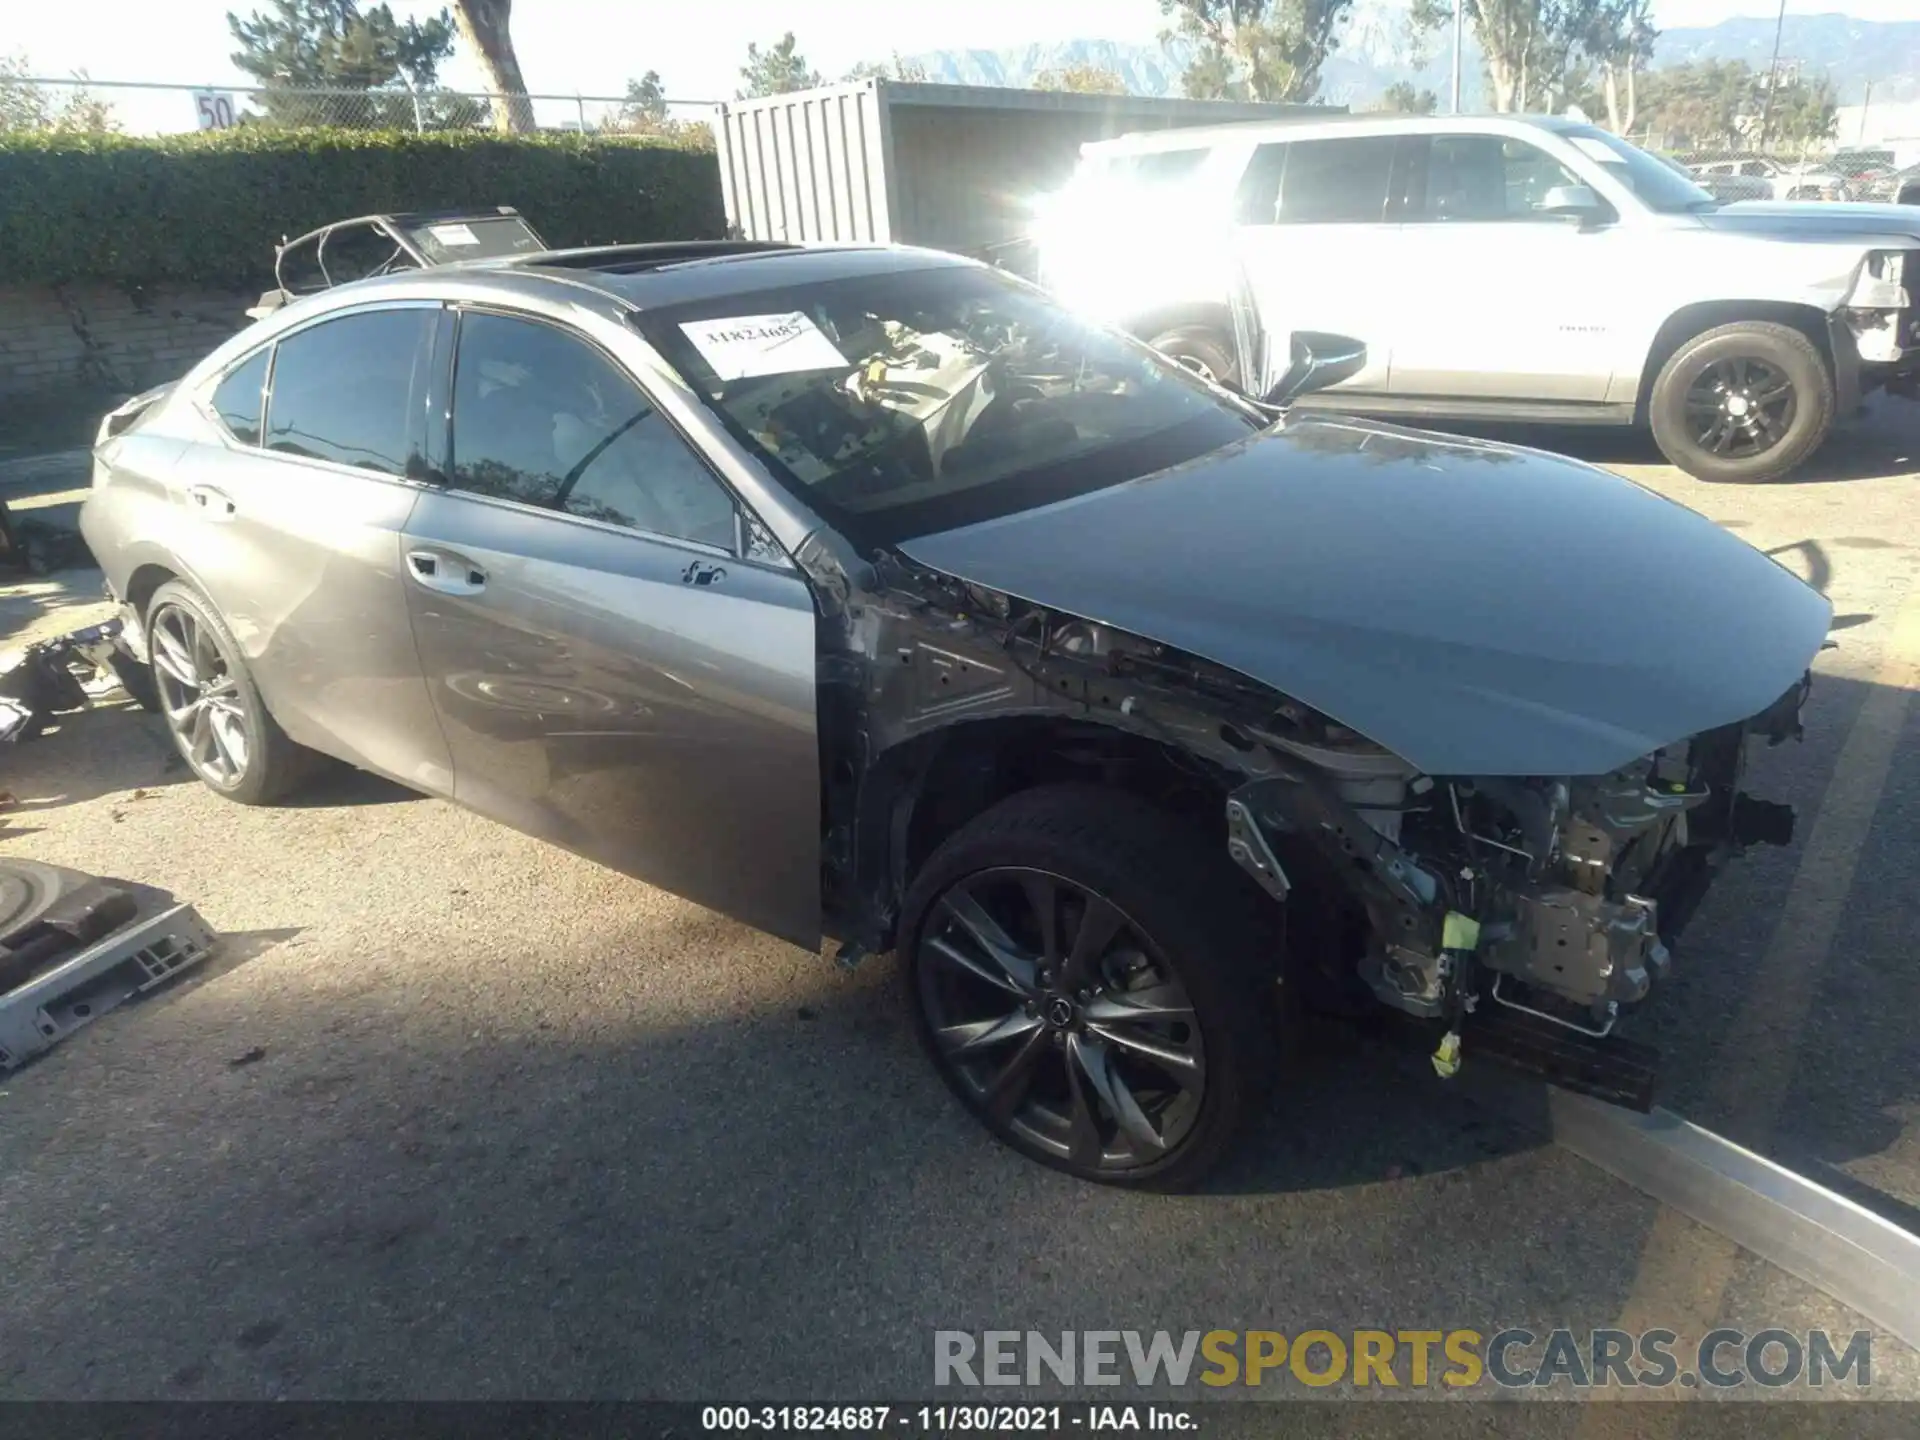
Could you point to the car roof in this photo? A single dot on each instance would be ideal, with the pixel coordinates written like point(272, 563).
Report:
point(1205, 136)
point(642, 277)
point(633, 275)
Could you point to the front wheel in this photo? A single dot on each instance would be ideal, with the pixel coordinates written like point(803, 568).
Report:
point(1746, 402)
point(1082, 972)
point(1203, 350)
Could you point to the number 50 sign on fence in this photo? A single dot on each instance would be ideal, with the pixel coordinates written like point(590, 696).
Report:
point(213, 109)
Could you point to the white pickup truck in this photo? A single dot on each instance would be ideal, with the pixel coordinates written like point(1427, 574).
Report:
point(1498, 268)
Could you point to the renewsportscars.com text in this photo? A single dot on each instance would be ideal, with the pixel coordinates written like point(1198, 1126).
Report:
point(1512, 1358)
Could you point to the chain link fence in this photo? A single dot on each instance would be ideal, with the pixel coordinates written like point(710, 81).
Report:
point(143, 109)
point(1805, 170)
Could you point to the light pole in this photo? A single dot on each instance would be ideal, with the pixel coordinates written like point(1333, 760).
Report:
point(1773, 75)
point(1458, 7)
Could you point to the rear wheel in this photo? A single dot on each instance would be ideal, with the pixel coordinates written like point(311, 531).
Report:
point(212, 708)
point(1743, 402)
point(1203, 350)
point(1081, 974)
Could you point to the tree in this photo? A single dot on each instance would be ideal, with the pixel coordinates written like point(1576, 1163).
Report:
point(1081, 80)
point(1619, 40)
point(1401, 98)
point(646, 102)
point(483, 25)
point(778, 70)
point(895, 69)
point(30, 107)
point(1716, 105)
point(1529, 46)
point(1256, 49)
point(301, 45)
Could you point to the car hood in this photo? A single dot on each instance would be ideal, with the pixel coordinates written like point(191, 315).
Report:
point(1479, 609)
point(1814, 217)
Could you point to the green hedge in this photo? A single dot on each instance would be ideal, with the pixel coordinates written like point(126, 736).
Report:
point(208, 209)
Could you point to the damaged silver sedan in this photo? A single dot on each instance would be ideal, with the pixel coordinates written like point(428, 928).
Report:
point(868, 594)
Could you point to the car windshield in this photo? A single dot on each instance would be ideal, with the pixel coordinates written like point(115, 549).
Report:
point(1662, 187)
point(903, 404)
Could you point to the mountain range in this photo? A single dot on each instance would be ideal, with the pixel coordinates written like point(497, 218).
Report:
point(1378, 48)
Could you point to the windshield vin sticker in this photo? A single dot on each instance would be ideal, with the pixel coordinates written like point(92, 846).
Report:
point(739, 347)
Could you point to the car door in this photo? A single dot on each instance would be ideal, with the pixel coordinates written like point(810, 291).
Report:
point(618, 666)
point(1317, 249)
point(292, 507)
point(1505, 301)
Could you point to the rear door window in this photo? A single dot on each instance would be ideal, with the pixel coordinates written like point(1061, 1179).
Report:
point(238, 399)
point(1257, 200)
point(1341, 181)
point(347, 390)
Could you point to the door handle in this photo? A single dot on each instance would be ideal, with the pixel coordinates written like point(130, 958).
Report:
point(702, 573)
point(211, 503)
point(448, 574)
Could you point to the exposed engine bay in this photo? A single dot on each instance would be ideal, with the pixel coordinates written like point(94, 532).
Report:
point(1556, 899)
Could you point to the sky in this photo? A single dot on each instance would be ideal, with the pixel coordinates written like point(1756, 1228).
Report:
point(594, 46)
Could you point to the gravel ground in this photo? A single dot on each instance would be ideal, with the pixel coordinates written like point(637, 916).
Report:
point(453, 1114)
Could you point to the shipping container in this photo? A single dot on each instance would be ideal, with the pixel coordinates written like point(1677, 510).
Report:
point(954, 167)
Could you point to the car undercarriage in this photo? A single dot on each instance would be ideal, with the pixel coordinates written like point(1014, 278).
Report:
point(1549, 902)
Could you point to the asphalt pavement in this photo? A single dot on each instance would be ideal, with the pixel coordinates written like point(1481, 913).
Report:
point(454, 1114)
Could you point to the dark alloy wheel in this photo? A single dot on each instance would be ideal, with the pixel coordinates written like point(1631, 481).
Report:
point(218, 723)
point(1743, 402)
point(1079, 978)
point(1740, 408)
point(1053, 1011)
point(200, 696)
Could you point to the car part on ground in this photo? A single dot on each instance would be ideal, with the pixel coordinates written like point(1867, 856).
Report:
point(1497, 269)
point(832, 587)
point(74, 946)
point(67, 673)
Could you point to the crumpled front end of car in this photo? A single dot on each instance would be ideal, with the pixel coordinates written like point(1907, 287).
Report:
point(1555, 898)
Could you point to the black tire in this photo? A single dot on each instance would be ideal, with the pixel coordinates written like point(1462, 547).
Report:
point(1202, 349)
point(272, 765)
point(1183, 948)
point(1715, 409)
point(136, 679)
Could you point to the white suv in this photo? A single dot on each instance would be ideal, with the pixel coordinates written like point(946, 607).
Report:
point(1498, 268)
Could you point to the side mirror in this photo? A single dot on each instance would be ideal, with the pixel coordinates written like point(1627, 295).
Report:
point(1318, 362)
point(1571, 202)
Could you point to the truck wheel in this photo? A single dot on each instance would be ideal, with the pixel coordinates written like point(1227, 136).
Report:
point(1080, 969)
point(1742, 402)
point(1203, 350)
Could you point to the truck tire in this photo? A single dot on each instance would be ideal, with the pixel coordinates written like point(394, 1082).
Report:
point(1742, 403)
point(1131, 1053)
point(1203, 350)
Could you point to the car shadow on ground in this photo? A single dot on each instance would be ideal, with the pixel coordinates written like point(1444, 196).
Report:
point(338, 784)
point(113, 748)
point(1883, 443)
